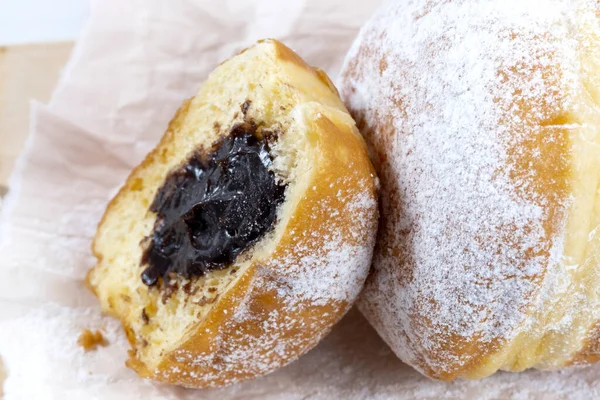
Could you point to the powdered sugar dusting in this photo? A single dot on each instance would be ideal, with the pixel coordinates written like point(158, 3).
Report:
point(468, 229)
point(337, 271)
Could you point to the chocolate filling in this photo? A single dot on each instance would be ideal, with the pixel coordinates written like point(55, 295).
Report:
point(213, 208)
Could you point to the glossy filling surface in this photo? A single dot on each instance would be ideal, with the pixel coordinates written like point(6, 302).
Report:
point(213, 208)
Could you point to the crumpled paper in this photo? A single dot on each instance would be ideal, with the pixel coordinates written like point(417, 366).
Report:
point(134, 64)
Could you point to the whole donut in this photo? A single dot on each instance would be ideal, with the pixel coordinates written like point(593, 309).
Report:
point(483, 120)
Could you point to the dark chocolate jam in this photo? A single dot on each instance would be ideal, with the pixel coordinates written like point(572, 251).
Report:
point(213, 208)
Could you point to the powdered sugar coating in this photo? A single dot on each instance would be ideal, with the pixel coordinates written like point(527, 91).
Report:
point(459, 101)
point(335, 273)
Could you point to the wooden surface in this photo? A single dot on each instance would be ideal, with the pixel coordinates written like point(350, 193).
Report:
point(26, 72)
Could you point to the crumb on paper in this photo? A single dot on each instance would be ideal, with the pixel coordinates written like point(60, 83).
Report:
point(90, 340)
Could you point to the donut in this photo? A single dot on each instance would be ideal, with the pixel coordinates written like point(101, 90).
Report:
point(247, 233)
point(483, 121)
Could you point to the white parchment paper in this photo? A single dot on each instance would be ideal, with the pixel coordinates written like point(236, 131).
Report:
point(135, 63)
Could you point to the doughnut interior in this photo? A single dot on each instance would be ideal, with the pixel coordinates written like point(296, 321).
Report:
point(284, 292)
